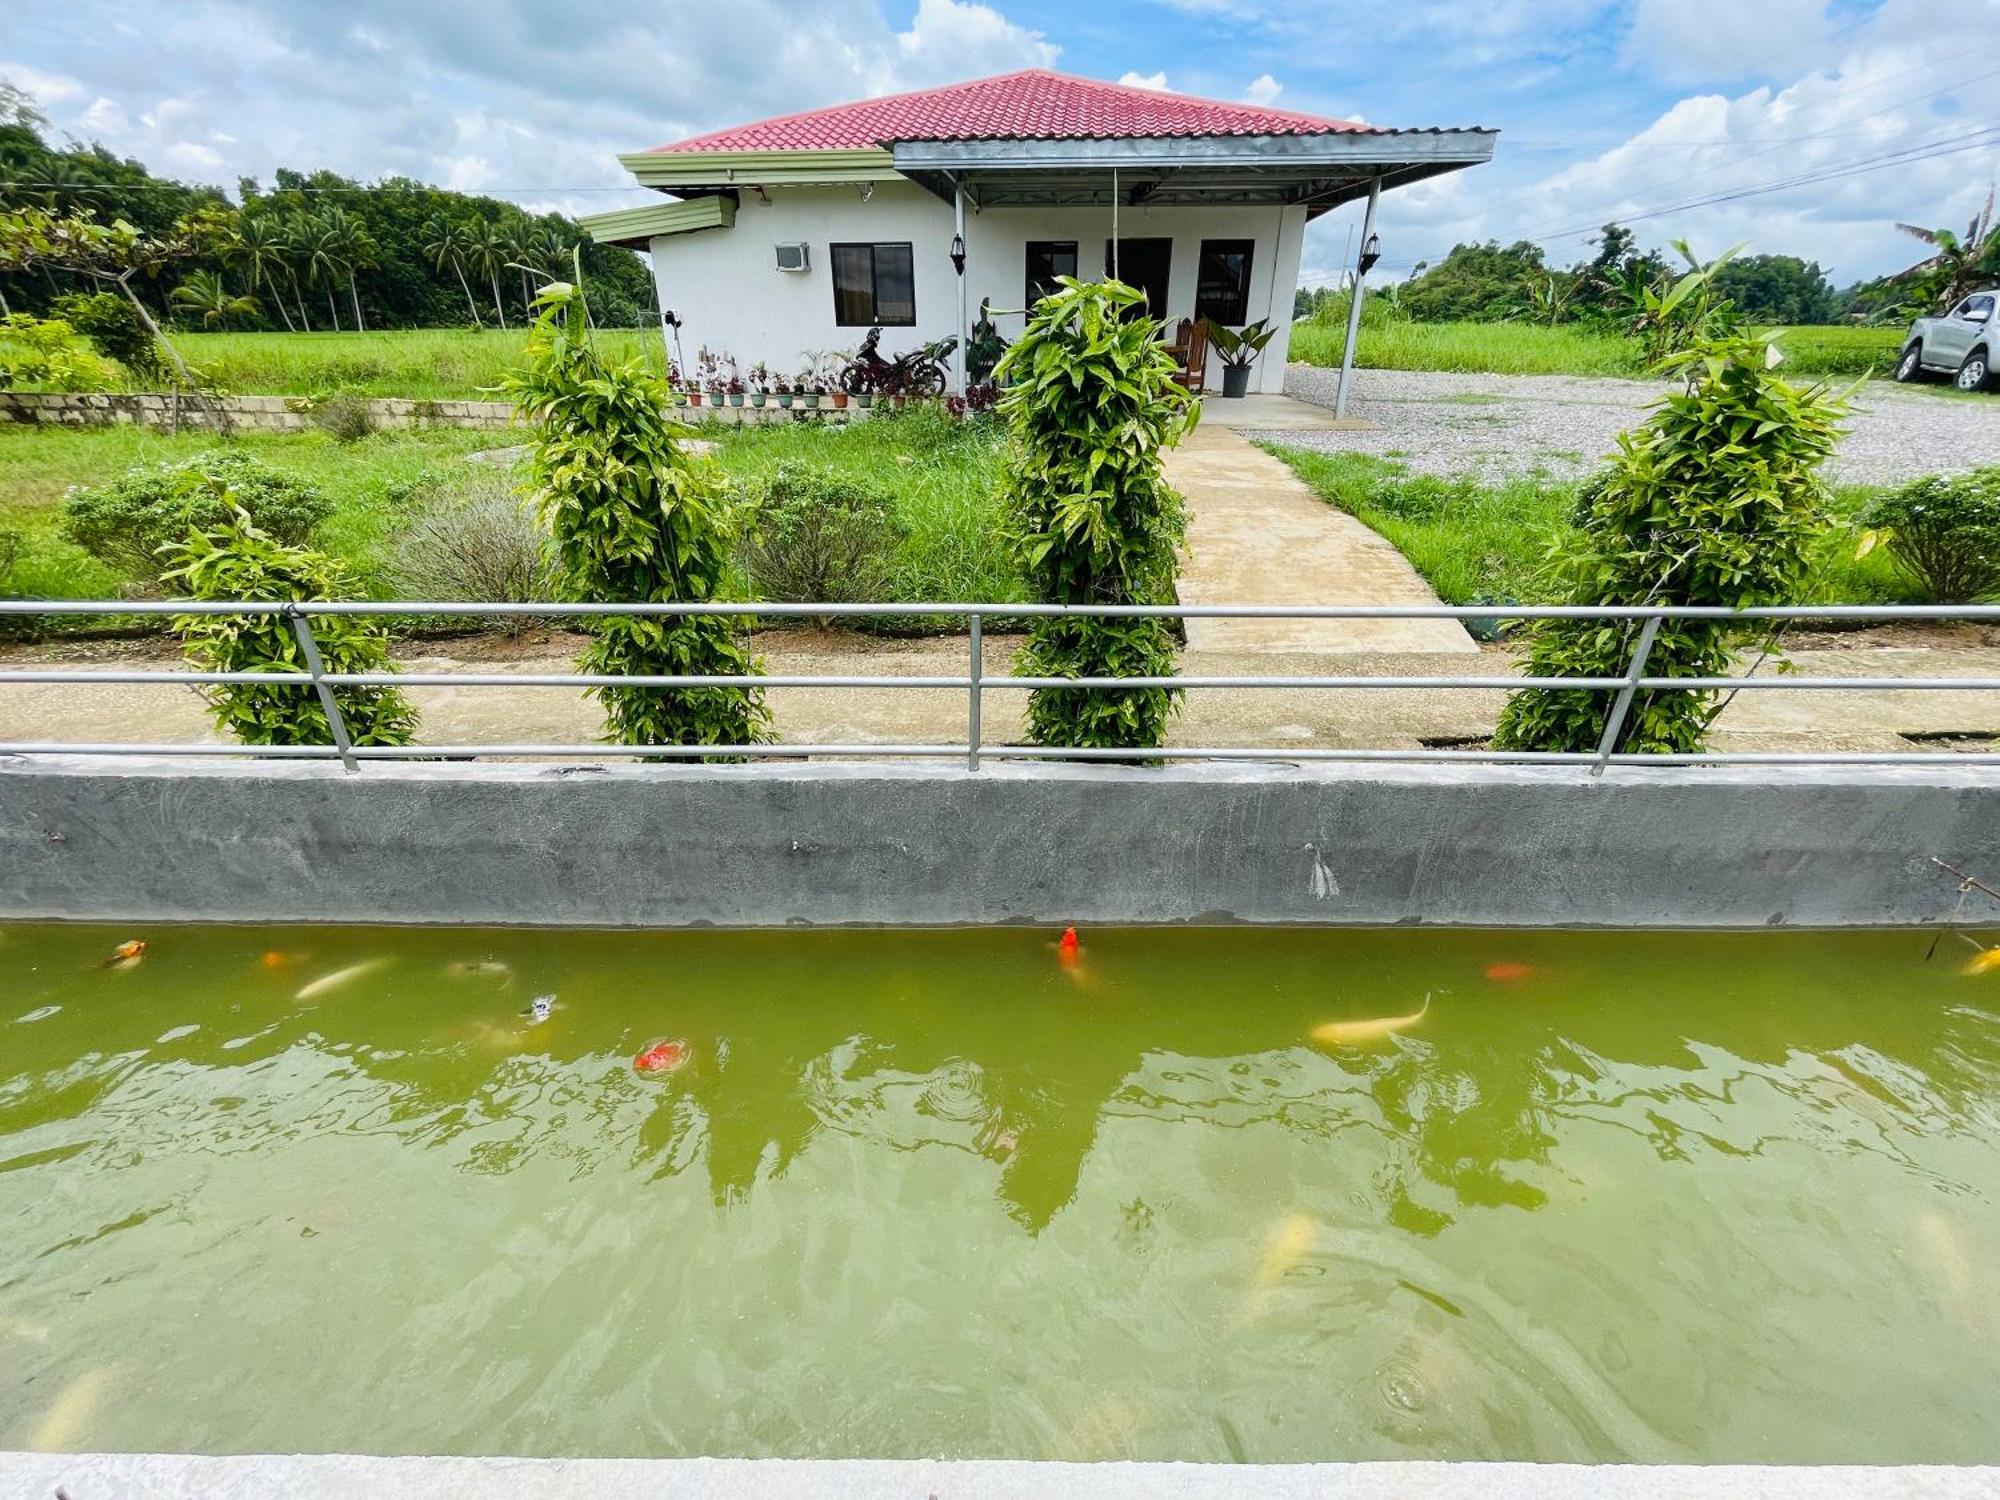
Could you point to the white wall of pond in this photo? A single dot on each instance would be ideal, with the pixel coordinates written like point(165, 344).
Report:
point(724, 285)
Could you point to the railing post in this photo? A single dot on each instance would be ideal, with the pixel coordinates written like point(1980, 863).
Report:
point(316, 669)
point(1621, 706)
point(973, 694)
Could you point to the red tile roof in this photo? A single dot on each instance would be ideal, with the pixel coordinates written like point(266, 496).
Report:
point(1034, 104)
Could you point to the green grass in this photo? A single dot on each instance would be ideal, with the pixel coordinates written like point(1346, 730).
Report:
point(1475, 542)
point(1530, 349)
point(425, 364)
point(944, 473)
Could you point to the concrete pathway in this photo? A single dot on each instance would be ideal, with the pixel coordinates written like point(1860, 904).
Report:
point(1258, 535)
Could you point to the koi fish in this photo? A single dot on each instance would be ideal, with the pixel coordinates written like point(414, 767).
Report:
point(273, 959)
point(662, 1057)
point(1349, 1033)
point(1067, 945)
point(1985, 961)
point(1507, 971)
point(126, 954)
point(471, 968)
point(539, 1008)
point(66, 1422)
point(330, 982)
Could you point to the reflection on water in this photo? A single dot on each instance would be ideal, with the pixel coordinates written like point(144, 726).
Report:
point(1180, 1194)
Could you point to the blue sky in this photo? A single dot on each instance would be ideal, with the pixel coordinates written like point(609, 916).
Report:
point(1607, 107)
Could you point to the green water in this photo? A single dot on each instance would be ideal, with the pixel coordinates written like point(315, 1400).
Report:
point(1639, 1197)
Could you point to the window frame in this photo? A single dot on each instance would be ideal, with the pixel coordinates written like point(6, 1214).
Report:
point(1074, 247)
point(875, 297)
point(1203, 302)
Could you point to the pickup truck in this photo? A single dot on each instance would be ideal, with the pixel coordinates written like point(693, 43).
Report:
point(1962, 343)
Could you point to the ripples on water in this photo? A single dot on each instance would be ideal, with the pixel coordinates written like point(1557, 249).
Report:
point(1647, 1197)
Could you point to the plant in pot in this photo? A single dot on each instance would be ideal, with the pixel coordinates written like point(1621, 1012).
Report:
point(864, 395)
point(735, 392)
point(760, 383)
point(1238, 349)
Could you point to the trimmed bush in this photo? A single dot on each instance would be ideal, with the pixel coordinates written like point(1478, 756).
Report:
point(639, 519)
point(480, 542)
point(1091, 403)
point(1945, 533)
point(1715, 500)
point(237, 561)
point(126, 523)
point(820, 535)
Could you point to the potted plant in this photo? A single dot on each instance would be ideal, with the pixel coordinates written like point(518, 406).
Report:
point(735, 392)
point(760, 383)
point(1238, 350)
point(808, 391)
point(784, 394)
point(838, 396)
point(864, 396)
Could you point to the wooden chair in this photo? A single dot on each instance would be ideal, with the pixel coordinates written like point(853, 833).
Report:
point(1190, 347)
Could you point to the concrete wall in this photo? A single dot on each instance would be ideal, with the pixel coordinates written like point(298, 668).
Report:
point(724, 285)
point(231, 413)
point(1043, 844)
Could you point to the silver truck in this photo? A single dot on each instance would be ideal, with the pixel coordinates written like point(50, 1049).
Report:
point(1962, 343)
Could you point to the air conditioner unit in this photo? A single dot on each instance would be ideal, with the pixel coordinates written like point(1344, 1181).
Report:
point(792, 258)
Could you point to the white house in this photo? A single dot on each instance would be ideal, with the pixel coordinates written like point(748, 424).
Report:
point(796, 235)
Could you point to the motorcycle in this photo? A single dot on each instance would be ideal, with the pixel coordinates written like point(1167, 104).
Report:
point(921, 372)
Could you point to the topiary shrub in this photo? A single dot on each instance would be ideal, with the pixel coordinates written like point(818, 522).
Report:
point(1715, 500)
point(237, 561)
point(1091, 403)
point(1945, 532)
point(817, 535)
point(124, 524)
point(638, 519)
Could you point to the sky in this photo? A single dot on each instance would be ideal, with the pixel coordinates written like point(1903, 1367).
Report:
point(1627, 109)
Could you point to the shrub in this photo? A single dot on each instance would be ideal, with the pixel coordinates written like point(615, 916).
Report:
point(47, 352)
point(344, 416)
point(1715, 500)
point(480, 542)
point(1945, 532)
point(820, 535)
point(127, 522)
point(236, 560)
point(636, 518)
point(113, 325)
point(1091, 402)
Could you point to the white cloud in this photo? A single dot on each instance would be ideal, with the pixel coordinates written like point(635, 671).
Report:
point(1697, 41)
point(47, 88)
point(1157, 82)
point(949, 40)
point(1263, 89)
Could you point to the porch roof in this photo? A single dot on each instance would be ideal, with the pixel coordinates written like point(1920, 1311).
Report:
point(1317, 171)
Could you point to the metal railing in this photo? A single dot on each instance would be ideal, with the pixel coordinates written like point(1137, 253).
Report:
point(976, 683)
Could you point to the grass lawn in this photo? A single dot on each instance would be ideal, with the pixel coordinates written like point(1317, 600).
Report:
point(1476, 543)
point(1530, 349)
point(943, 473)
point(422, 363)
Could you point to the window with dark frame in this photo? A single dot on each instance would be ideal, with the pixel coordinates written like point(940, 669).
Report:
point(873, 284)
point(1222, 282)
point(1048, 259)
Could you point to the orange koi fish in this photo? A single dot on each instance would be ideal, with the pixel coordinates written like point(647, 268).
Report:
point(663, 1057)
point(1508, 971)
point(126, 954)
point(1985, 961)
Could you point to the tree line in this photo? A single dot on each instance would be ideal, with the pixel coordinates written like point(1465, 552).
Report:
point(313, 250)
point(1492, 283)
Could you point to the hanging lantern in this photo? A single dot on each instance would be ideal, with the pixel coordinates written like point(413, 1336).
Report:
point(958, 253)
point(1371, 252)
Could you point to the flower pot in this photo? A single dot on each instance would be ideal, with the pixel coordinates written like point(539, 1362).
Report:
point(694, 398)
point(864, 399)
point(756, 398)
point(812, 400)
point(839, 399)
point(784, 398)
point(735, 398)
point(1235, 381)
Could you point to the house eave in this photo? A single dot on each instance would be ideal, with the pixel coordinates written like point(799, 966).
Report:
point(673, 171)
point(636, 228)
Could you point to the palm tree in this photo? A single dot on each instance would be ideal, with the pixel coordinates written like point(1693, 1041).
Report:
point(354, 248)
point(1955, 265)
point(259, 248)
point(521, 245)
point(490, 252)
point(204, 293)
point(447, 243)
point(319, 247)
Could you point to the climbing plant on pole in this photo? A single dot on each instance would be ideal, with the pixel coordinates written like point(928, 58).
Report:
point(1092, 404)
point(637, 518)
point(1715, 500)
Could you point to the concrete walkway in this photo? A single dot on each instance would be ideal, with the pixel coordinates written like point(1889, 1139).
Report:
point(1258, 535)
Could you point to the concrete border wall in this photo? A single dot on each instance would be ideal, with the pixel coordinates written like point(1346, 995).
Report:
point(844, 844)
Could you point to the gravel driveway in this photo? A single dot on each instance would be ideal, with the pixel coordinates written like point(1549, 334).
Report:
point(1563, 425)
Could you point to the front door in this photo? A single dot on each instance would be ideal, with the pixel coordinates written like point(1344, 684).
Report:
point(1146, 264)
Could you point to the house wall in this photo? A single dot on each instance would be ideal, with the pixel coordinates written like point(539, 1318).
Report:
point(723, 284)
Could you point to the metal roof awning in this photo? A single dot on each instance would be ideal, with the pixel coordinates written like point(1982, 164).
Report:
point(1318, 171)
point(635, 228)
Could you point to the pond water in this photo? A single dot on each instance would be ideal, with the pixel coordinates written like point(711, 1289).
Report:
point(1185, 1194)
